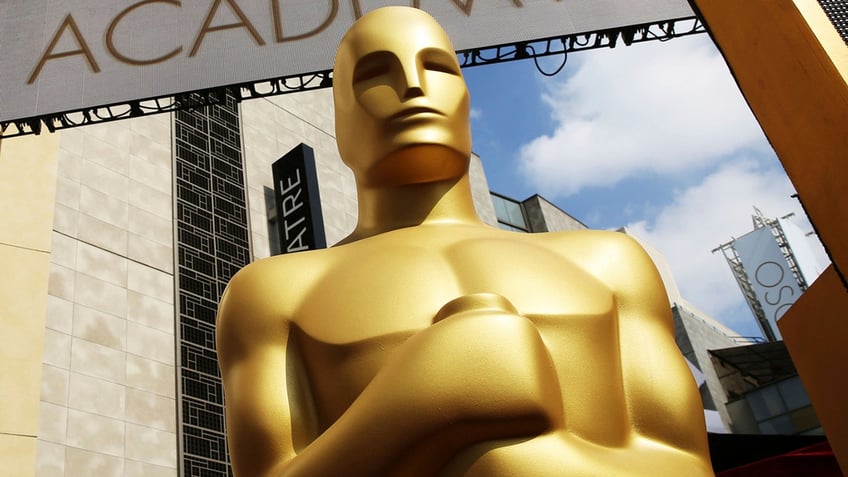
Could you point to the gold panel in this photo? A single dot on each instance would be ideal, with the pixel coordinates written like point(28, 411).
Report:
point(17, 455)
point(23, 308)
point(28, 168)
point(816, 333)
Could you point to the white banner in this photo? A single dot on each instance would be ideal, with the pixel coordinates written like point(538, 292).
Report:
point(64, 55)
point(769, 273)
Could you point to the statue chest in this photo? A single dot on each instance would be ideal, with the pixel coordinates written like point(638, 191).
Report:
point(388, 289)
point(370, 303)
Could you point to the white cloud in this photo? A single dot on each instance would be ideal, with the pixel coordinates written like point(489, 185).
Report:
point(660, 107)
point(707, 215)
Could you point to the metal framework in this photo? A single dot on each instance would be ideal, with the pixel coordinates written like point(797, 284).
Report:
point(741, 277)
point(554, 46)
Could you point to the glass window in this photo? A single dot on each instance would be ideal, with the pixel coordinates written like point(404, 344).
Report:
point(793, 393)
point(765, 403)
point(504, 226)
point(778, 425)
point(509, 212)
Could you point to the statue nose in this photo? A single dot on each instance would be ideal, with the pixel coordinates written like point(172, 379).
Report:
point(412, 84)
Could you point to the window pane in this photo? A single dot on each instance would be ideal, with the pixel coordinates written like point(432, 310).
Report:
point(778, 425)
point(793, 393)
point(765, 403)
point(509, 212)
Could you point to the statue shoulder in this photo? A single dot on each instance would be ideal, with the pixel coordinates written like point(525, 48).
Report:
point(615, 258)
point(262, 298)
point(598, 245)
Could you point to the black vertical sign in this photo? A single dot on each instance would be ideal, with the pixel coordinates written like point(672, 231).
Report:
point(299, 218)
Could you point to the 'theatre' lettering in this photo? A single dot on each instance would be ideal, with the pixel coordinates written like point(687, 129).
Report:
point(291, 202)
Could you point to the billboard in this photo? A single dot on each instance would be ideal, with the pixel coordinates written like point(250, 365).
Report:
point(296, 196)
point(67, 55)
point(770, 275)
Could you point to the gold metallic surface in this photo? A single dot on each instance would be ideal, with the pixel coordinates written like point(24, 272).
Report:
point(428, 343)
point(814, 331)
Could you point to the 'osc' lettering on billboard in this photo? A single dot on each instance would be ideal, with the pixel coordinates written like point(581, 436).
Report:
point(770, 276)
point(772, 280)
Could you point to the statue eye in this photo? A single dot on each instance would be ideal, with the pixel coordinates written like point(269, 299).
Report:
point(371, 66)
point(440, 60)
point(440, 66)
point(369, 72)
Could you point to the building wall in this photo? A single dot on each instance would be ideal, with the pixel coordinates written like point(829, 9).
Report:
point(107, 398)
point(27, 191)
point(110, 384)
point(480, 192)
point(544, 216)
point(272, 127)
point(107, 404)
point(696, 334)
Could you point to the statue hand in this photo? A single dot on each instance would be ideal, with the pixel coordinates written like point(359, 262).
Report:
point(476, 303)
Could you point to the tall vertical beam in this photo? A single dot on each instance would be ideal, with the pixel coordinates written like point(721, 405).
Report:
point(816, 342)
point(792, 67)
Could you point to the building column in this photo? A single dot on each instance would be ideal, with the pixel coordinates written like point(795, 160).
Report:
point(28, 168)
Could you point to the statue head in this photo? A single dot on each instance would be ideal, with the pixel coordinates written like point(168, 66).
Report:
point(402, 106)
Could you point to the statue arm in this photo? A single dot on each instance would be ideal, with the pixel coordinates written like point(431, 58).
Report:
point(662, 398)
point(430, 401)
point(402, 423)
point(252, 353)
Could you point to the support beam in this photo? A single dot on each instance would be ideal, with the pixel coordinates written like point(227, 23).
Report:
point(815, 331)
point(792, 67)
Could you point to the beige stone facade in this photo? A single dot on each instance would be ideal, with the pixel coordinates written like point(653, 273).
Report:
point(97, 392)
point(107, 402)
point(91, 350)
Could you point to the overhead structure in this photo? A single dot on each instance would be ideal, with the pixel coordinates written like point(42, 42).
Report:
point(766, 270)
point(72, 63)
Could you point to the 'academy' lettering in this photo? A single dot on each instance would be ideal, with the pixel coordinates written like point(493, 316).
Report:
point(84, 50)
point(110, 32)
point(68, 27)
point(244, 23)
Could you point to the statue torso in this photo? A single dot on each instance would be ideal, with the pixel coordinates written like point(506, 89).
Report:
point(373, 294)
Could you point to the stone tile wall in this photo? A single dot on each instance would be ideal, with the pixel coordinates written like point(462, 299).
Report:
point(108, 374)
point(274, 126)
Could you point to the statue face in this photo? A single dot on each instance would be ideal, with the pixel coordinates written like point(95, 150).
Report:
point(402, 106)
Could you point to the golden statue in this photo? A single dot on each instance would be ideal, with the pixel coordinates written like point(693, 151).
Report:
point(428, 343)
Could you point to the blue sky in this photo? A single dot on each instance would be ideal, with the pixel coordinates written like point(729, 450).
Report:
point(655, 137)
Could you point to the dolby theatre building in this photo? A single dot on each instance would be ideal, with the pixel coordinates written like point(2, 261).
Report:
point(117, 240)
point(151, 218)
